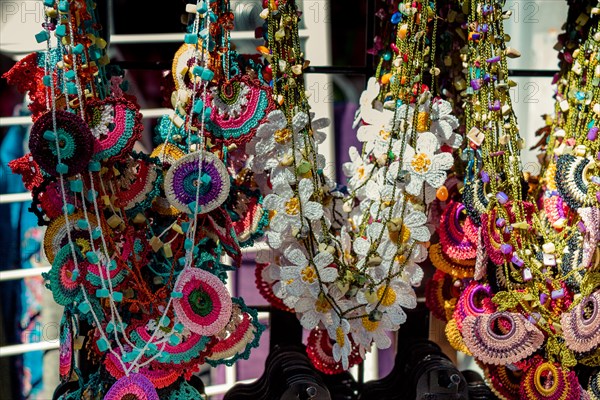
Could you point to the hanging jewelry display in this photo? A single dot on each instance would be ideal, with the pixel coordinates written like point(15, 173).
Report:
point(520, 326)
point(136, 242)
point(346, 263)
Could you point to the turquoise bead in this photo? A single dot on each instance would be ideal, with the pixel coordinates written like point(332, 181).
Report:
point(63, 6)
point(102, 293)
point(92, 257)
point(92, 195)
point(94, 166)
point(174, 340)
point(47, 80)
point(102, 344)
point(165, 321)
point(188, 244)
point(195, 139)
point(128, 357)
point(71, 88)
point(49, 135)
point(205, 179)
point(110, 327)
point(207, 74)
point(202, 7)
point(198, 106)
point(203, 33)
point(193, 206)
point(82, 224)
point(70, 74)
point(197, 70)
point(177, 295)
point(117, 296)
point(61, 30)
point(74, 275)
point(69, 208)
point(95, 53)
point(76, 186)
point(42, 36)
point(178, 327)
point(190, 38)
point(207, 112)
point(78, 49)
point(84, 307)
point(96, 233)
point(62, 168)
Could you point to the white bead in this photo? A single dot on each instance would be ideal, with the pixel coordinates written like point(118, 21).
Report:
point(476, 136)
point(549, 248)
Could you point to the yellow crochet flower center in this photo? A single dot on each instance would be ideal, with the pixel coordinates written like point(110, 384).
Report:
point(369, 325)
point(386, 297)
point(283, 135)
point(322, 305)
point(361, 171)
point(400, 259)
point(340, 338)
point(385, 135)
point(308, 274)
point(292, 206)
point(421, 163)
point(422, 120)
point(400, 236)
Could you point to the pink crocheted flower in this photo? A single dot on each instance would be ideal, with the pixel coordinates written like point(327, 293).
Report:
point(135, 386)
point(205, 307)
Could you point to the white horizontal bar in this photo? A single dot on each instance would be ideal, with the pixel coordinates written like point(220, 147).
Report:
point(220, 389)
point(144, 38)
point(16, 349)
point(256, 247)
point(14, 274)
point(7, 121)
point(15, 197)
point(263, 315)
point(178, 37)
point(146, 113)
point(155, 112)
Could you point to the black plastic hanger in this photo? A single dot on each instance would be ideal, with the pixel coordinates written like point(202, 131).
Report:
point(288, 375)
point(421, 371)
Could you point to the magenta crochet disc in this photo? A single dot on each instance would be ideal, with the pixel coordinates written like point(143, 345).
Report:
point(135, 386)
point(205, 307)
